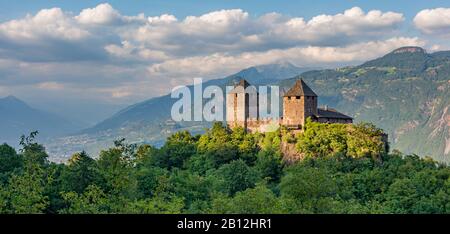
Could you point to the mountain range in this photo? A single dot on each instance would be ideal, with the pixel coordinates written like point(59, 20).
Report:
point(405, 92)
point(17, 118)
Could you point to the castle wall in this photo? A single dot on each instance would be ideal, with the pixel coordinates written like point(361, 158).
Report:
point(293, 111)
point(310, 106)
point(263, 125)
point(297, 109)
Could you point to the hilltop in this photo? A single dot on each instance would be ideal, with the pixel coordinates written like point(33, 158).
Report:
point(345, 169)
point(405, 92)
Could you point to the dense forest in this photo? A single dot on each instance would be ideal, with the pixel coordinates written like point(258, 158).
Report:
point(345, 169)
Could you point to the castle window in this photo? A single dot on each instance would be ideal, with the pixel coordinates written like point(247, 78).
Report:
point(297, 97)
point(289, 98)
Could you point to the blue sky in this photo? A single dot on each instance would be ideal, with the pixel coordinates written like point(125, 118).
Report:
point(182, 8)
point(102, 55)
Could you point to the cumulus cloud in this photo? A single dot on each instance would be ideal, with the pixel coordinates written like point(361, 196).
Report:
point(220, 64)
point(105, 14)
point(101, 14)
point(336, 29)
point(114, 56)
point(433, 21)
point(235, 31)
point(102, 30)
point(47, 23)
point(136, 53)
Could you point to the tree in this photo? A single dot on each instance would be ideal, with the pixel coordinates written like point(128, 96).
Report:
point(217, 145)
point(246, 145)
point(26, 191)
point(9, 159)
point(32, 151)
point(200, 164)
point(237, 176)
point(308, 185)
point(148, 179)
point(401, 196)
point(365, 140)
point(177, 149)
point(92, 201)
point(258, 200)
point(269, 165)
point(156, 205)
point(191, 187)
point(80, 172)
point(115, 168)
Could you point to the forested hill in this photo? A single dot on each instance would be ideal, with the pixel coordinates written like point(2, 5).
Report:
point(345, 169)
point(406, 93)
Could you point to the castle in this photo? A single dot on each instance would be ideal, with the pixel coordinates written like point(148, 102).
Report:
point(299, 103)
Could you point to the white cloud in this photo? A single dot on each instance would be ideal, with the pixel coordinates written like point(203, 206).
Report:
point(101, 14)
point(100, 52)
point(433, 21)
point(220, 64)
point(353, 22)
point(235, 31)
point(47, 23)
point(131, 52)
point(163, 19)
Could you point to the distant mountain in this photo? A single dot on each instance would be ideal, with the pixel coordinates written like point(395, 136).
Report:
point(149, 121)
point(17, 118)
point(145, 113)
point(406, 92)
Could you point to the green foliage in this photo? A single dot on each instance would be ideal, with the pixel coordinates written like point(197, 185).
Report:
point(115, 168)
point(156, 205)
point(9, 159)
point(236, 176)
point(148, 179)
point(269, 165)
point(332, 140)
point(32, 151)
point(92, 201)
point(258, 200)
point(217, 145)
point(80, 172)
point(347, 170)
point(308, 183)
point(26, 191)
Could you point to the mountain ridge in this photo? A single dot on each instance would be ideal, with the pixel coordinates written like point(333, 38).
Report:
point(17, 118)
point(379, 91)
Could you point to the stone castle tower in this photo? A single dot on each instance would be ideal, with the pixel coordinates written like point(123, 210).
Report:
point(242, 105)
point(299, 103)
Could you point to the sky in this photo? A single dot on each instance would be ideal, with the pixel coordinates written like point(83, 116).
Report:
point(87, 59)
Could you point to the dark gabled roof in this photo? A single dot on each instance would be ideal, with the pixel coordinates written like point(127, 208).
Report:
point(331, 113)
point(242, 83)
point(300, 88)
point(241, 87)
